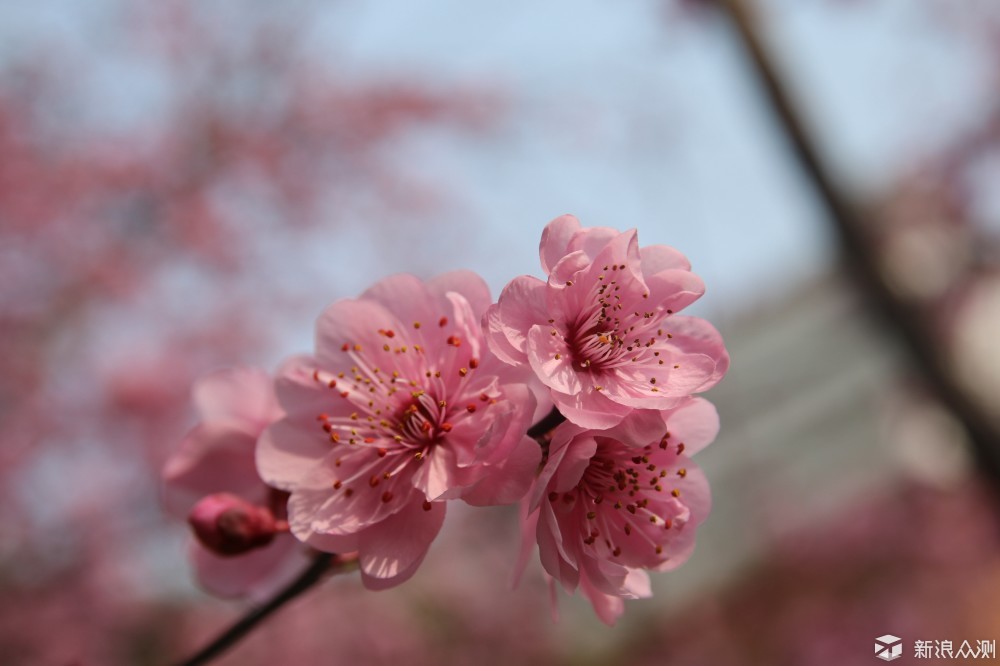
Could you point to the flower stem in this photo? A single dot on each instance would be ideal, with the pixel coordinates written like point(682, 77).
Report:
point(541, 432)
point(542, 428)
point(321, 565)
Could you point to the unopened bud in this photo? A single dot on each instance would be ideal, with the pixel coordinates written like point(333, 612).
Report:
point(229, 525)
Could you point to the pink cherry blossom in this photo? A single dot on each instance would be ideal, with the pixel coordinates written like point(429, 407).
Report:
point(602, 332)
point(214, 462)
point(610, 504)
point(402, 408)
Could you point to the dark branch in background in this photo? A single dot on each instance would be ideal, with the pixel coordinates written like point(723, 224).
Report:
point(312, 575)
point(904, 320)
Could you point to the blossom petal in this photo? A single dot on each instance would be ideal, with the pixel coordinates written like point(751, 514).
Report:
point(213, 458)
point(637, 585)
point(466, 283)
point(333, 543)
point(568, 269)
point(695, 336)
point(551, 360)
point(468, 324)
point(296, 385)
point(617, 250)
point(345, 498)
point(528, 520)
point(555, 239)
point(559, 444)
point(695, 423)
point(509, 481)
point(439, 476)
point(497, 339)
point(607, 607)
point(674, 289)
point(605, 575)
point(391, 549)
point(407, 297)
point(697, 499)
point(289, 450)
point(617, 260)
point(555, 557)
point(352, 328)
point(511, 421)
point(242, 397)
point(521, 306)
point(256, 574)
point(593, 240)
point(375, 584)
point(590, 411)
point(640, 427)
point(656, 258)
point(680, 376)
point(522, 374)
point(573, 463)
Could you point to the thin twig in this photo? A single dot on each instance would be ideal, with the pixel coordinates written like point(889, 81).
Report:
point(903, 319)
point(541, 432)
point(550, 421)
point(312, 575)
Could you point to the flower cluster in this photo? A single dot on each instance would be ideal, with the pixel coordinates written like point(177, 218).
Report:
point(424, 392)
point(617, 494)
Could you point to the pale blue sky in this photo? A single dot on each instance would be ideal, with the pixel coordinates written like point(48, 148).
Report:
point(626, 114)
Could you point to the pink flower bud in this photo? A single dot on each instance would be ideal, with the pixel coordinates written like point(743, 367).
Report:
point(229, 525)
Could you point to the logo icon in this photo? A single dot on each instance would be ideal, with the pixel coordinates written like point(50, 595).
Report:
point(888, 647)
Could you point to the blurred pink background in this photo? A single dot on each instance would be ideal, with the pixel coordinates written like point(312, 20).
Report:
point(184, 186)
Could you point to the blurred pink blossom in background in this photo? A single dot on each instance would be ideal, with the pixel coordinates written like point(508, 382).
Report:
point(212, 477)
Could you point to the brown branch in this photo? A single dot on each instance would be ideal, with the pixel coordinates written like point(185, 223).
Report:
point(317, 570)
point(903, 319)
point(548, 422)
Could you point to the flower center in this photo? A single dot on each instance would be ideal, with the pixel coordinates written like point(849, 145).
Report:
point(401, 403)
point(624, 504)
point(607, 335)
point(423, 421)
